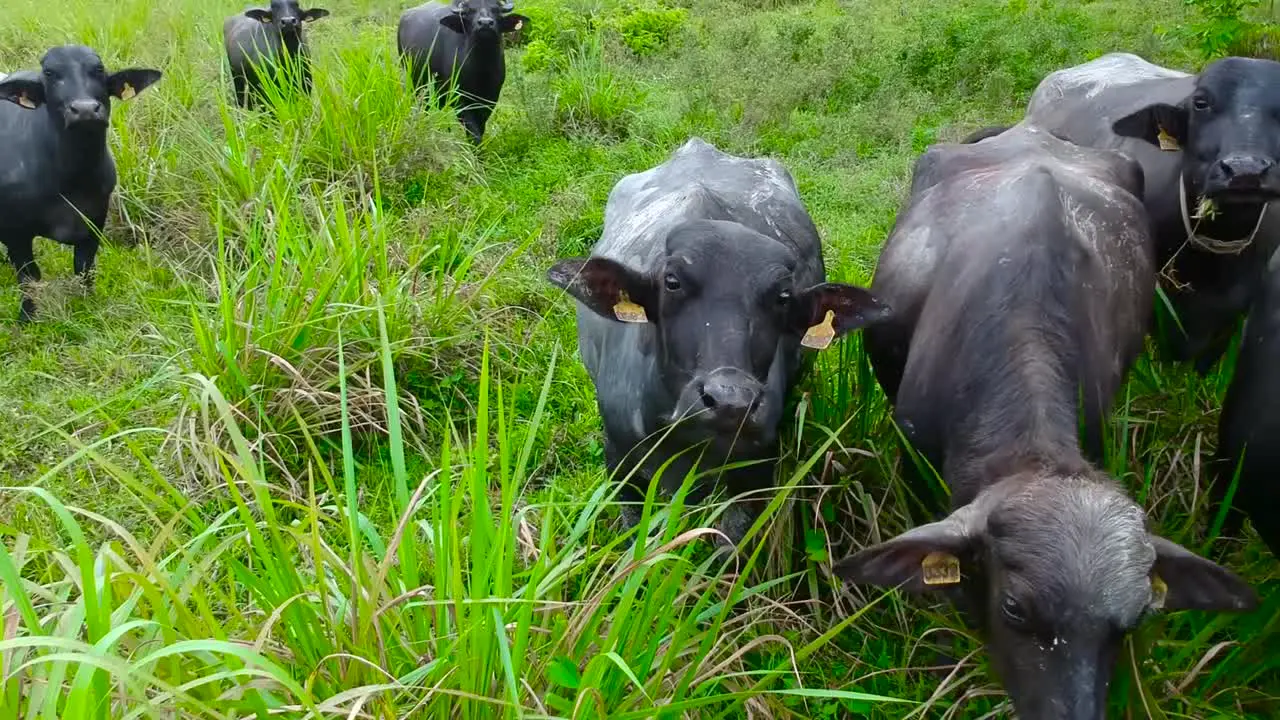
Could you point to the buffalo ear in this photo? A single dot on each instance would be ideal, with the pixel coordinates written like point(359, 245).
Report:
point(608, 288)
point(827, 311)
point(23, 89)
point(1161, 124)
point(314, 14)
point(921, 559)
point(453, 21)
point(262, 15)
point(512, 23)
point(124, 84)
point(1195, 583)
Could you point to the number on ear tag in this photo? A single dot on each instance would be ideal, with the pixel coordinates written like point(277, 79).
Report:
point(939, 568)
point(819, 336)
point(629, 312)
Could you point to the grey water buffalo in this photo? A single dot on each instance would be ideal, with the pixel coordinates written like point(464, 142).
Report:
point(458, 47)
point(1250, 420)
point(1214, 136)
point(58, 175)
point(262, 41)
point(1021, 277)
point(692, 310)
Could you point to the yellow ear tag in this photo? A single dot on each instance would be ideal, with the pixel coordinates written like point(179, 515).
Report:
point(519, 24)
point(127, 91)
point(939, 568)
point(26, 102)
point(629, 312)
point(819, 336)
point(1159, 591)
point(1167, 142)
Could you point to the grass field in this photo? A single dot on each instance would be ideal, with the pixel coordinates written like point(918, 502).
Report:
point(319, 444)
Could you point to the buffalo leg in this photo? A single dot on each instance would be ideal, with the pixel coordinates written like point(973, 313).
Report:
point(241, 91)
point(630, 494)
point(86, 252)
point(474, 122)
point(887, 347)
point(1223, 472)
point(745, 508)
point(22, 257)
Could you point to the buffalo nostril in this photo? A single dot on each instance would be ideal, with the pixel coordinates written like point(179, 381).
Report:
point(708, 400)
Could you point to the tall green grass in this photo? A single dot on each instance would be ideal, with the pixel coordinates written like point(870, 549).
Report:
point(475, 602)
point(319, 445)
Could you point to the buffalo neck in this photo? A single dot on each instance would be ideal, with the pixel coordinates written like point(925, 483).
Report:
point(291, 42)
point(484, 44)
point(1024, 421)
point(1012, 373)
point(79, 148)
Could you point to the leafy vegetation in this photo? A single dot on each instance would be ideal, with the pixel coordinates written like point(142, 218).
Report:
point(319, 446)
point(1234, 27)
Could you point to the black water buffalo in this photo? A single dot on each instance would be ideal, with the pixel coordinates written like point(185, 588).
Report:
point(58, 174)
point(462, 43)
point(1021, 278)
point(1215, 135)
point(1250, 419)
point(261, 41)
point(692, 310)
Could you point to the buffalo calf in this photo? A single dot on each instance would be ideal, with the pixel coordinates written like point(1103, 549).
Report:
point(58, 174)
point(692, 310)
point(261, 41)
point(1021, 277)
point(459, 47)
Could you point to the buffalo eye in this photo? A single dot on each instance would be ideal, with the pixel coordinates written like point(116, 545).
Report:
point(1012, 611)
point(1200, 103)
point(671, 282)
point(784, 298)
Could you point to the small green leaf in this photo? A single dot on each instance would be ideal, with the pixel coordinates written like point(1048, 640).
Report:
point(815, 545)
point(564, 672)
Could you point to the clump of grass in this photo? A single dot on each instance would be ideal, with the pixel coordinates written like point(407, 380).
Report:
point(593, 100)
point(478, 601)
point(646, 29)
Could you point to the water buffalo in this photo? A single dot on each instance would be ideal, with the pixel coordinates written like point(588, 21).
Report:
point(460, 43)
point(1214, 136)
point(692, 310)
point(261, 41)
point(1250, 419)
point(58, 174)
point(1021, 277)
